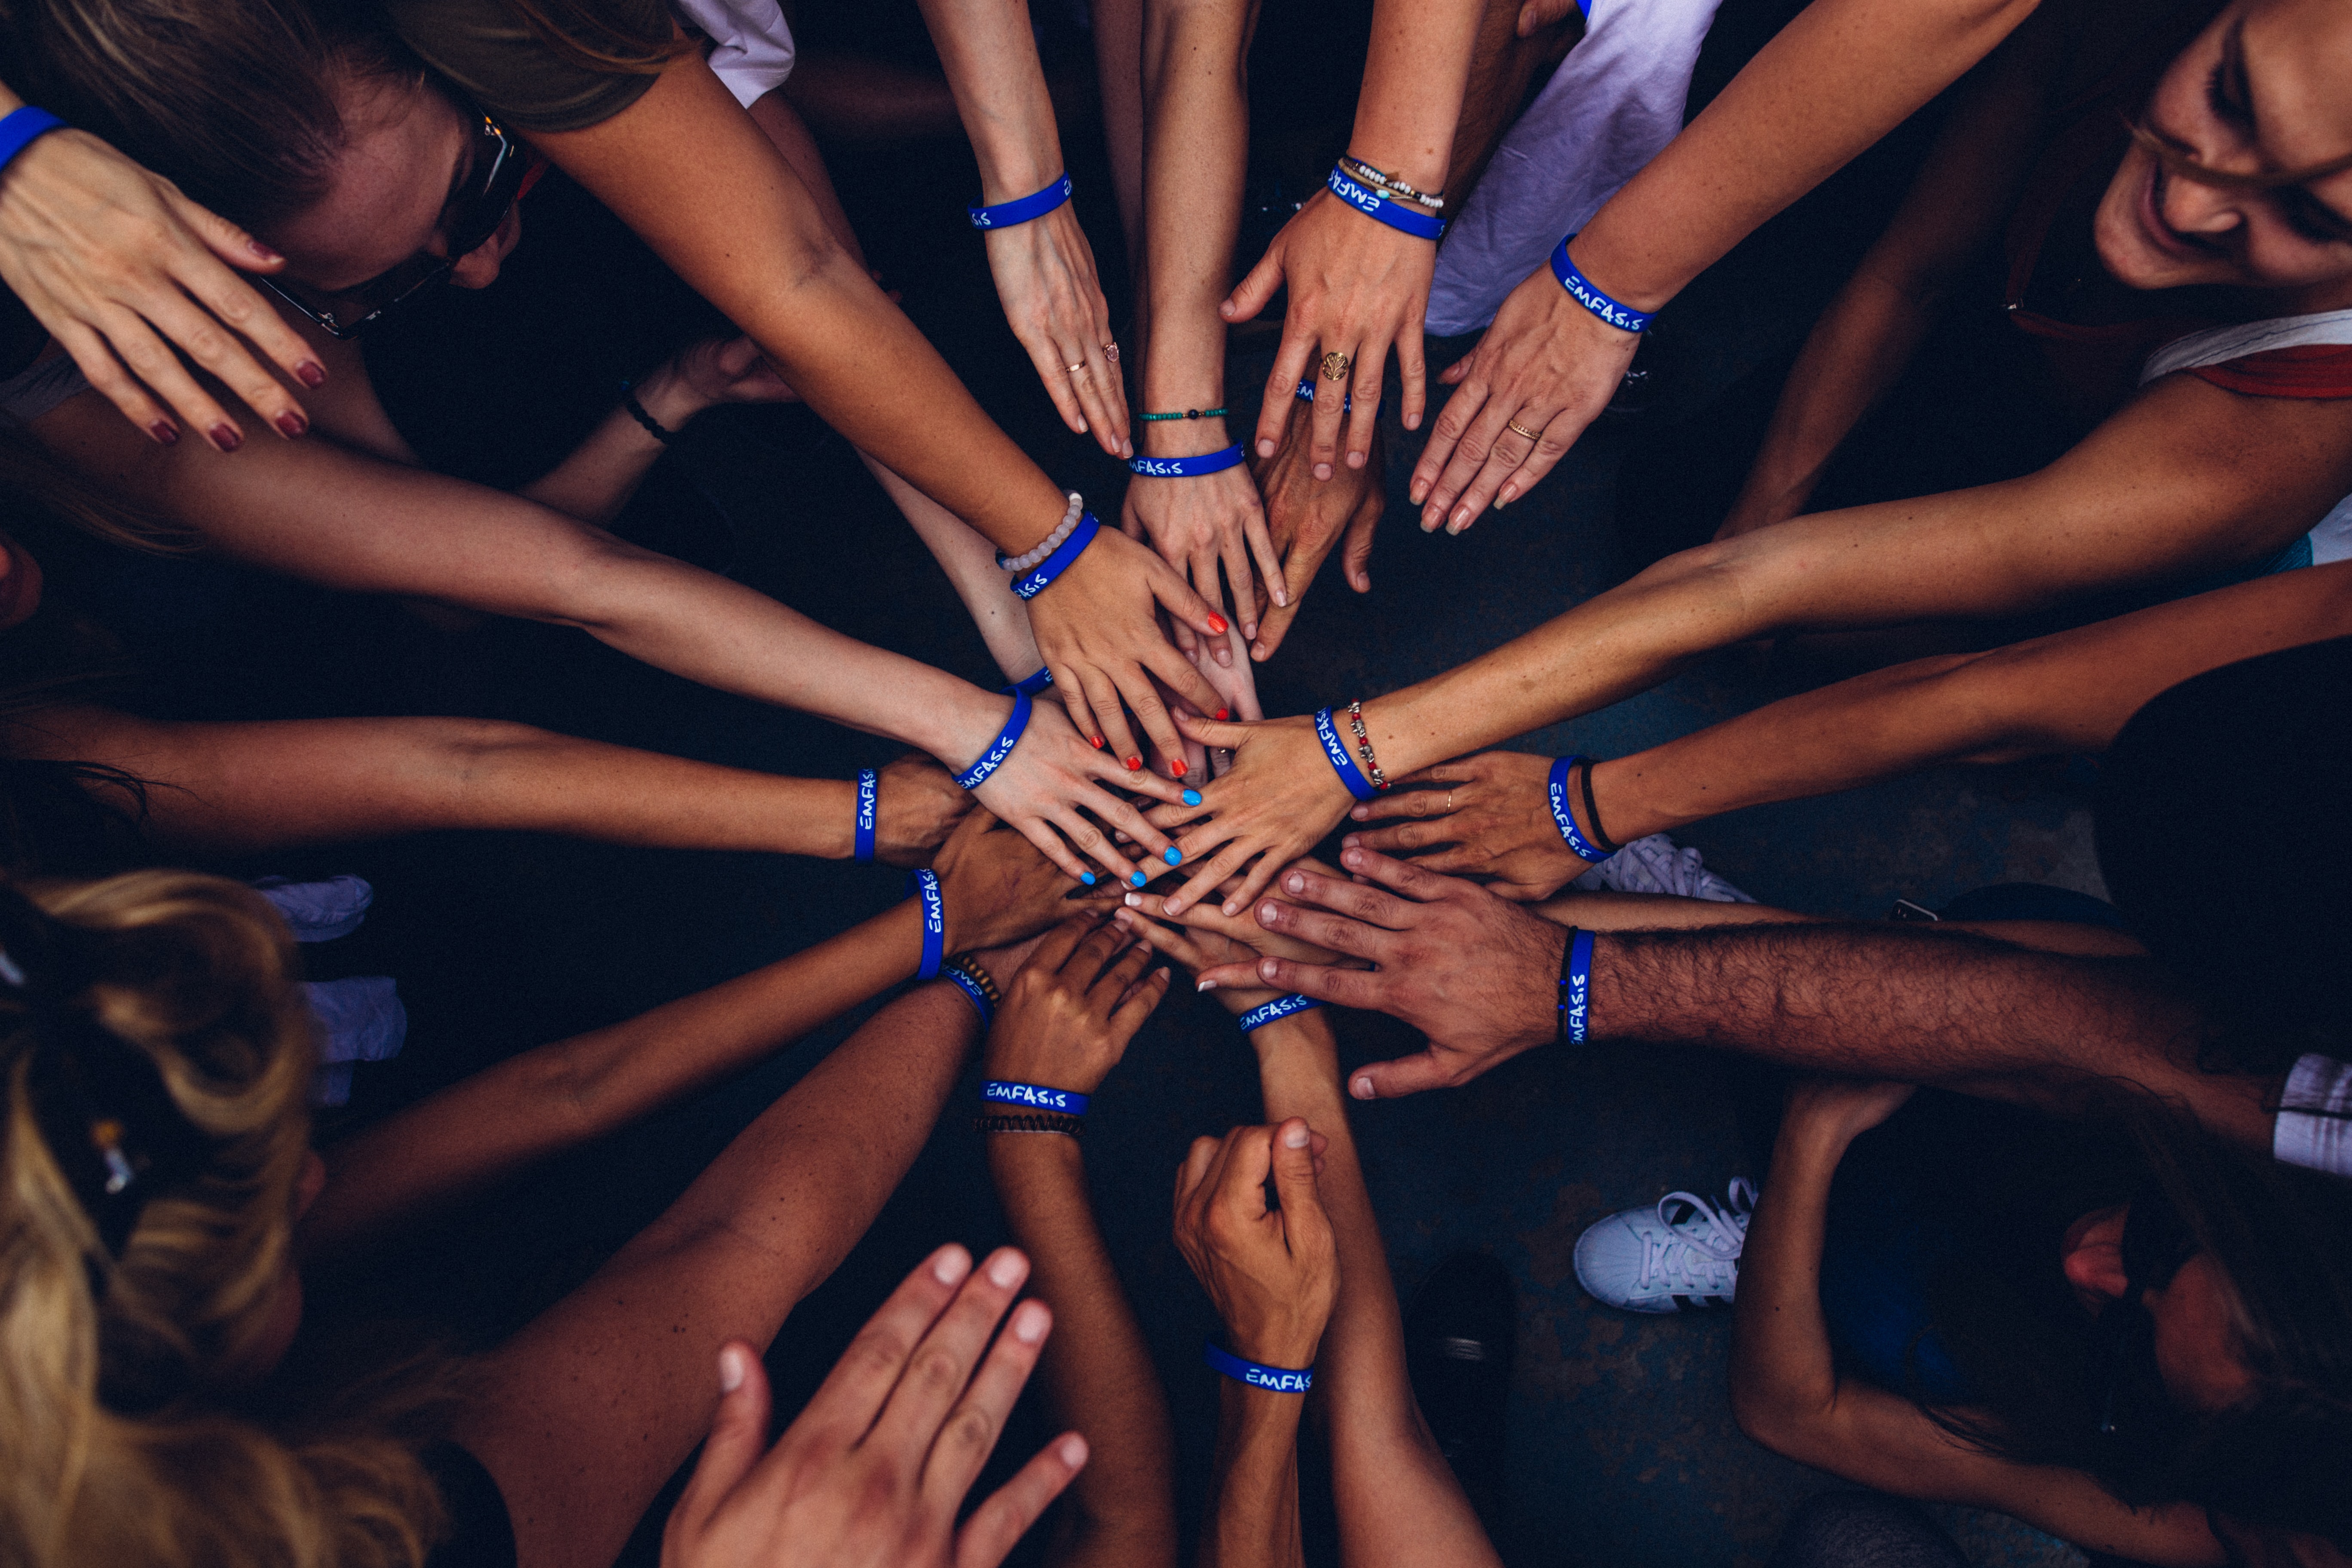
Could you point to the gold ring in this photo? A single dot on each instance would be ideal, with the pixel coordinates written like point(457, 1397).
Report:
point(1078, 367)
point(1334, 366)
point(1449, 802)
point(1515, 426)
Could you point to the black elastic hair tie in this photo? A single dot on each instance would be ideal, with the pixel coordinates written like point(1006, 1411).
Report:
point(1592, 811)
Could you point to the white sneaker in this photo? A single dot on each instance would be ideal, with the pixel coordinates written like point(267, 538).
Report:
point(1653, 865)
point(1681, 1252)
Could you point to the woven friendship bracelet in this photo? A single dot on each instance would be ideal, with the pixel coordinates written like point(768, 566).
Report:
point(1067, 1126)
point(1390, 183)
point(1364, 746)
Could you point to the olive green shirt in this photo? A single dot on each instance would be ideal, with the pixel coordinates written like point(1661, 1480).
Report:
point(495, 57)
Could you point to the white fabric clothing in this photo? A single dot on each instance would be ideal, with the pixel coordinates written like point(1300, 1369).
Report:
point(360, 1020)
point(1614, 102)
point(319, 912)
point(2314, 1119)
point(751, 44)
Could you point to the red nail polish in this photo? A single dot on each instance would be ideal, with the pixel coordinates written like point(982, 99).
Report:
point(310, 373)
point(1176, 767)
point(292, 423)
point(1223, 713)
point(164, 432)
point(1217, 623)
point(1133, 763)
point(225, 437)
point(1098, 741)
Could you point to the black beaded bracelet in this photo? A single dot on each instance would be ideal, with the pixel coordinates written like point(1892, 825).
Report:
point(1030, 1122)
point(654, 427)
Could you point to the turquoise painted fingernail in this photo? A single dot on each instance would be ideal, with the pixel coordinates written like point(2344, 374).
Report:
point(1191, 797)
point(1172, 855)
point(1088, 877)
point(1137, 878)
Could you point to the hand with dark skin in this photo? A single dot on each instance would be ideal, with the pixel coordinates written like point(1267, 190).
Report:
point(1070, 1012)
point(995, 887)
point(915, 806)
point(1487, 817)
point(1272, 1273)
point(1305, 515)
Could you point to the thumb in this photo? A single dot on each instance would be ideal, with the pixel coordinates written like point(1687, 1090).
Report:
point(1253, 293)
point(1406, 1074)
point(1222, 734)
point(224, 239)
point(1355, 559)
point(739, 1436)
point(1294, 1176)
point(735, 357)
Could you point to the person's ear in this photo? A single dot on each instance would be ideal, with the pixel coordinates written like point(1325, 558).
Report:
point(2096, 1268)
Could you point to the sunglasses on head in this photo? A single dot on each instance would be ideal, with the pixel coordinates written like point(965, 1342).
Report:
point(502, 168)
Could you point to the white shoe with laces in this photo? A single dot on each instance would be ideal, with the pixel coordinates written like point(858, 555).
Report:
point(1680, 1252)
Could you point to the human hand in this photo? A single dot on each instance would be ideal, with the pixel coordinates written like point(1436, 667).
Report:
point(1357, 288)
point(1476, 974)
point(1070, 1012)
point(1487, 816)
point(1538, 14)
point(1097, 626)
point(1204, 937)
point(122, 268)
point(705, 374)
point(994, 886)
point(873, 1470)
point(917, 806)
point(1051, 775)
point(1549, 365)
point(1279, 798)
point(1199, 522)
point(1272, 1273)
point(1045, 274)
point(1843, 1109)
point(1306, 517)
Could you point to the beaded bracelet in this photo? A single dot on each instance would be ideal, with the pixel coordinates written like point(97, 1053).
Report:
point(22, 127)
point(1061, 561)
point(869, 796)
point(1067, 1126)
point(935, 920)
point(1383, 209)
point(1575, 986)
point(1009, 737)
point(1215, 462)
point(1556, 791)
point(1258, 1374)
point(654, 427)
point(1005, 214)
point(1337, 756)
point(970, 988)
point(1306, 395)
point(1187, 414)
point(1051, 542)
point(1390, 183)
point(1364, 746)
point(1035, 1097)
point(1265, 1013)
point(1580, 289)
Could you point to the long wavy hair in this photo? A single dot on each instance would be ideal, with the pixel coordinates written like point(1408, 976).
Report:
point(115, 1445)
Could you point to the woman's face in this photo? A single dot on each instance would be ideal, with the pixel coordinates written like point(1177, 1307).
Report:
point(409, 152)
point(2196, 1345)
point(2260, 92)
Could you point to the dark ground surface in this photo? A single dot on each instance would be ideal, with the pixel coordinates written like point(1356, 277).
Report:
point(1622, 1448)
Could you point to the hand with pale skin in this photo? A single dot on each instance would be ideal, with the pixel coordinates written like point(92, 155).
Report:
point(716, 370)
point(1272, 1273)
point(1052, 774)
point(1306, 516)
point(915, 806)
point(1045, 273)
point(1097, 626)
point(994, 888)
point(1068, 1015)
point(873, 1471)
point(1204, 937)
point(1487, 817)
point(1200, 523)
point(1547, 364)
point(127, 275)
point(1474, 973)
point(1279, 799)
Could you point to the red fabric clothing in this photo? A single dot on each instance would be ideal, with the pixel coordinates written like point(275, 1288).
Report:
point(2311, 370)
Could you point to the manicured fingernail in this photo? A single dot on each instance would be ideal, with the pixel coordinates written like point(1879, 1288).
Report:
point(1191, 797)
point(1005, 1272)
point(1361, 1088)
point(1133, 763)
point(310, 373)
point(164, 432)
point(1096, 741)
point(1133, 902)
point(262, 251)
point(1176, 766)
point(950, 1266)
point(1137, 878)
point(225, 437)
point(292, 423)
point(1296, 1138)
point(1088, 877)
point(1171, 907)
point(1029, 1320)
point(731, 1371)
point(1172, 855)
point(1204, 985)
point(1216, 623)
point(1224, 714)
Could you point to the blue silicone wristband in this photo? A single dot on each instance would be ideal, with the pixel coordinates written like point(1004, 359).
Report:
point(868, 793)
point(1273, 1379)
point(1005, 214)
point(1580, 846)
point(1336, 753)
point(1186, 467)
point(935, 921)
point(1265, 1013)
point(1034, 1097)
point(1576, 987)
point(21, 128)
point(1030, 685)
point(1382, 209)
point(1054, 565)
point(971, 987)
point(1306, 394)
point(1624, 318)
point(994, 758)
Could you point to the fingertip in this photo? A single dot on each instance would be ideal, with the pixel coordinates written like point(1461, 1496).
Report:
point(1360, 1086)
point(1072, 1452)
point(733, 1367)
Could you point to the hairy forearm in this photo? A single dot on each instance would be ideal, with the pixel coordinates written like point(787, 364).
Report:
point(560, 1096)
point(1253, 1483)
point(1097, 1369)
point(1196, 117)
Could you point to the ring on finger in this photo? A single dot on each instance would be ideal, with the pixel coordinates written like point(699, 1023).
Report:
point(1336, 365)
point(1517, 428)
point(1111, 353)
point(1078, 367)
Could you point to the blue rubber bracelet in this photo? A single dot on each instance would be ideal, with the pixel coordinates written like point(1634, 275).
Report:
point(994, 758)
point(1005, 214)
point(1265, 1013)
point(1576, 987)
point(22, 128)
point(1273, 1379)
point(935, 921)
point(971, 987)
point(1580, 846)
point(1054, 565)
point(868, 793)
point(1624, 318)
point(1382, 209)
point(1186, 467)
point(1030, 685)
point(1306, 394)
point(1342, 763)
point(1034, 1097)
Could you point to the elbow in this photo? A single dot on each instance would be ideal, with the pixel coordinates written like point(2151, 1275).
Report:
point(595, 585)
point(1773, 1413)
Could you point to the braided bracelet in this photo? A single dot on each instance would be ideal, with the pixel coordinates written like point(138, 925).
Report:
point(1022, 1121)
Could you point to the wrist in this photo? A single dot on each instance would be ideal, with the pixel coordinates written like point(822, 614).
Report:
point(1185, 437)
point(1621, 270)
point(836, 807)
point(1290, 1346)
point(1016, 165)
point(667, 398)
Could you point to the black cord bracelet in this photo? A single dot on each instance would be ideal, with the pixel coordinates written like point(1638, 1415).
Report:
point(654, 427)
point(1592, 813)
point(1030, 1122)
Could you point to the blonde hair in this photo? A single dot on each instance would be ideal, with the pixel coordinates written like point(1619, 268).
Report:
point(110, 1449)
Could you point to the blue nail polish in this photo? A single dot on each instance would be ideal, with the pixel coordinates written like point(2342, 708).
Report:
point(1191, 797)
point(1137, 878)
point(1172, 855)
point(1088, 877)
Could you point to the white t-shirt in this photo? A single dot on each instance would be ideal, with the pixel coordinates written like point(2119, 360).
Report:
point(2307, 1134)
point(752, 46)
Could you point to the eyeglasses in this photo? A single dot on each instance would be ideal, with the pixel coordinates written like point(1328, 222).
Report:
point(502, 170)
point(2136, 1414)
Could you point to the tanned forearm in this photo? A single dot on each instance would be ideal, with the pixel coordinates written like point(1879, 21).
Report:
point(1097, 1369)
point(1253, 1483)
